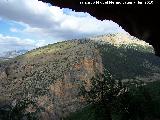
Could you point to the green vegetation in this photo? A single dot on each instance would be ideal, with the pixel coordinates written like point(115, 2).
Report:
point(110, 100)
point(104, 93)
point(87, 113)
point(52, 48)
point(127, 63)
point(18, 110)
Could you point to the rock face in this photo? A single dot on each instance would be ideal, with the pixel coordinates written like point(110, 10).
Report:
point(52, 75)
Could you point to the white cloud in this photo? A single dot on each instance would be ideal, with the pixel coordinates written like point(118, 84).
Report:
point(8, 43)
point(41, 43)
point(14, 30)
point(42, 19)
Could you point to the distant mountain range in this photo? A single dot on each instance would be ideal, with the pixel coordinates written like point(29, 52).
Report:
point(11, 54)
point(52, 75)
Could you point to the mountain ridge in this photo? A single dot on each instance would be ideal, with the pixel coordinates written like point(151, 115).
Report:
point(52, 75)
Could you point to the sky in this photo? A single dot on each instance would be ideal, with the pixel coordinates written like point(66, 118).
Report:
point(28, 24)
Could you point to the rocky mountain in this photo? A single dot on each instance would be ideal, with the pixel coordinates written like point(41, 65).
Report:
point(52, 75)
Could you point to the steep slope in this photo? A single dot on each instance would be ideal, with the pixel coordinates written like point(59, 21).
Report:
point(126, 57)
point(52, 75)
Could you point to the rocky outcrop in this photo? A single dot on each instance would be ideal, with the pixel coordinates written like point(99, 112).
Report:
point(52, 80)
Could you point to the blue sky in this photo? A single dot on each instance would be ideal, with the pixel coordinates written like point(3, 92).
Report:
point(27, 24)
